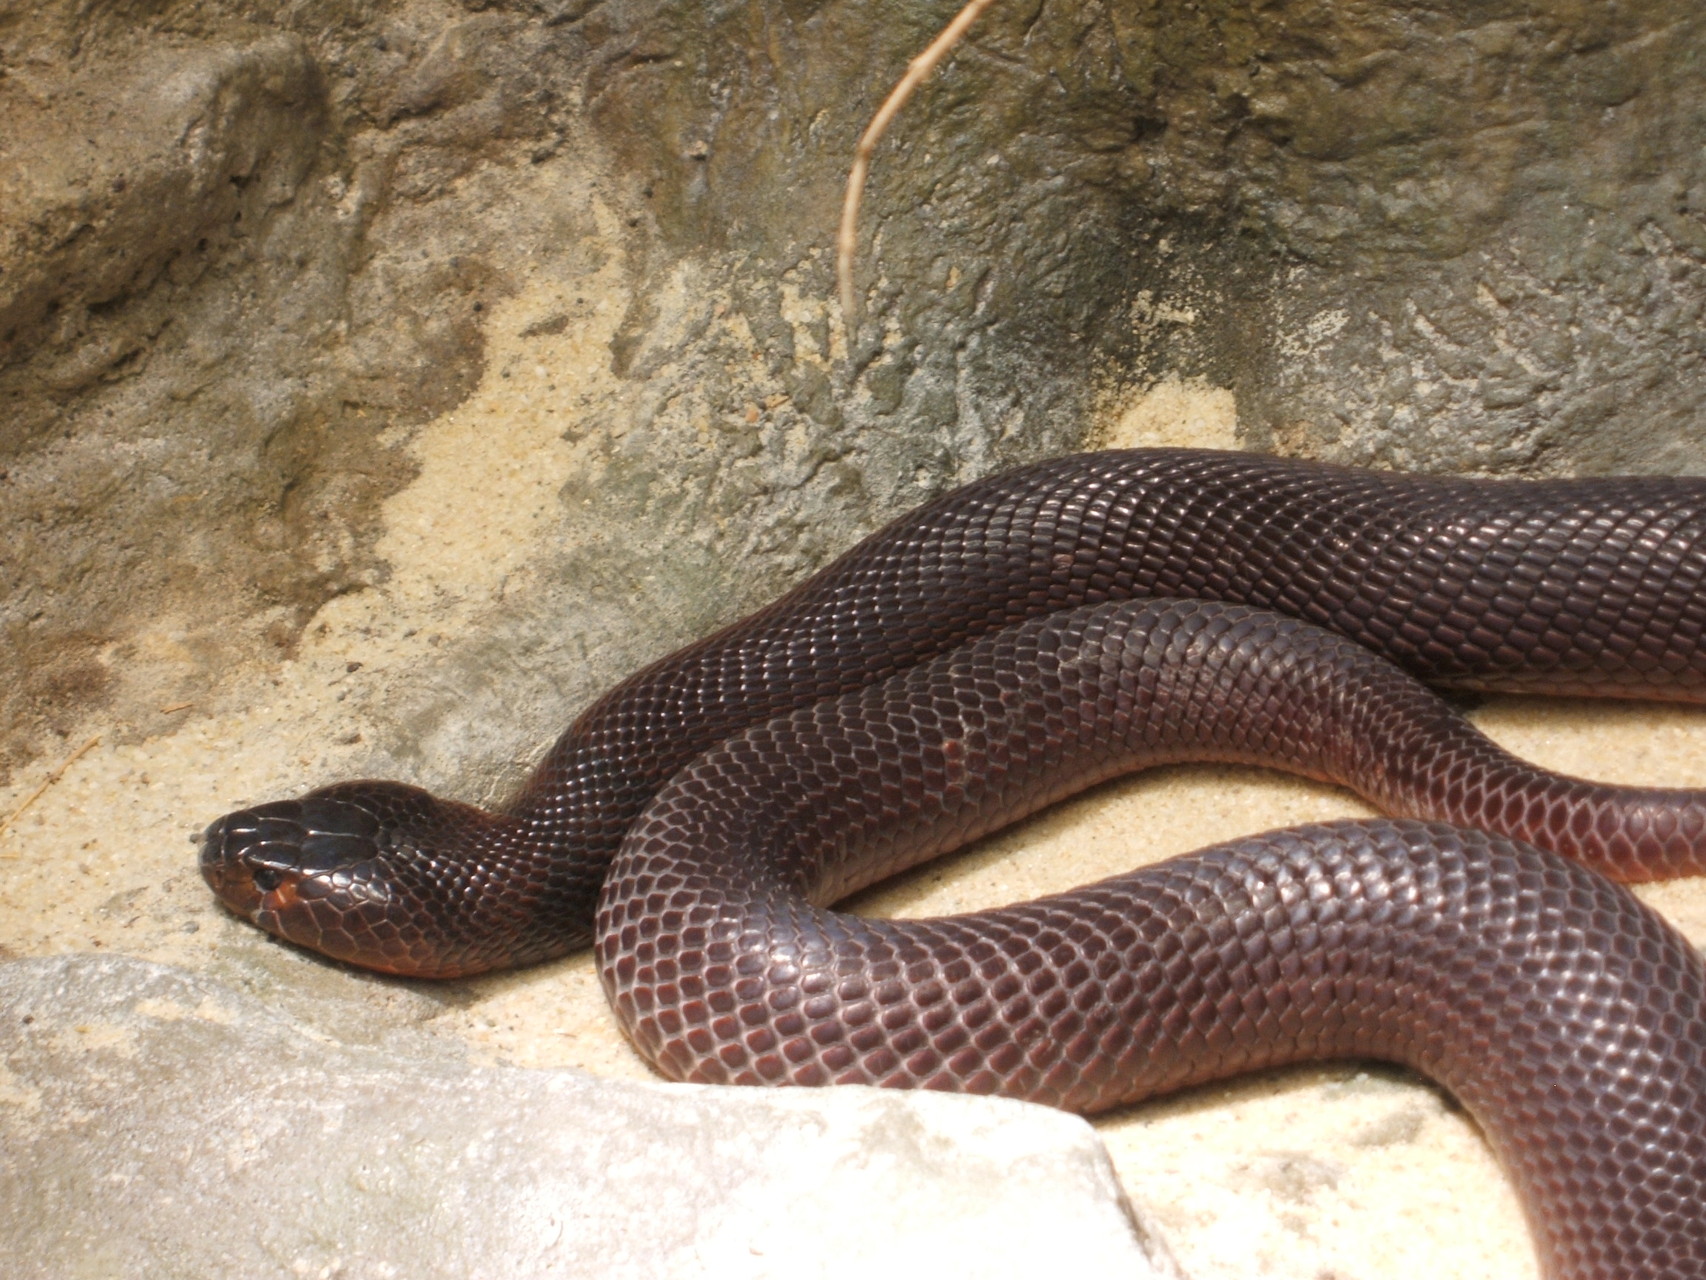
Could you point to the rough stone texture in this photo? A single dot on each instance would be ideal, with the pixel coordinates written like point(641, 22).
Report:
point(153, 1123)
point(1495, 220)
point(248, 250)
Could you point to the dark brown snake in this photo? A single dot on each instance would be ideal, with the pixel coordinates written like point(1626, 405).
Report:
point(1030, 634)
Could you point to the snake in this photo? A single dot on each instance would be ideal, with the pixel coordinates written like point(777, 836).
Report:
point(1041, 630)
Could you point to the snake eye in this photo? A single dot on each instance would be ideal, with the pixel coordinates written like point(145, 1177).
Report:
point(267, 878)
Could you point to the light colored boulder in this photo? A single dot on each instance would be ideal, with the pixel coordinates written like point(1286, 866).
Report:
point(154, 1123)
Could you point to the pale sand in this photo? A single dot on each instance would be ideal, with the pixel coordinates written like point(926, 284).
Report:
point(1302, 1174)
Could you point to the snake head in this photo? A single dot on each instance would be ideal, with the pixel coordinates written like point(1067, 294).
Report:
point(351, 871)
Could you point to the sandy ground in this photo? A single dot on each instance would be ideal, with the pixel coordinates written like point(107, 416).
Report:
point(1341, 1171)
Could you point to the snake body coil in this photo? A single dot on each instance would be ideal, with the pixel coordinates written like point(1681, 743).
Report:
point(1028, 635)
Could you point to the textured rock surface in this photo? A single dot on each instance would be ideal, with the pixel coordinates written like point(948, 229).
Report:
point(153, 1123)
point(247, 252)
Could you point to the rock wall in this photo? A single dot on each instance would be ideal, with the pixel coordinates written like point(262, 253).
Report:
point(250, 253)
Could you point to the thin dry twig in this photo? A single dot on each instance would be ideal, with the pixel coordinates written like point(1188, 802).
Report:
point(47, 782)
point(846, 240)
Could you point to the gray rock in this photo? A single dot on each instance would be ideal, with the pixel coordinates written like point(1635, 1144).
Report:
point(156, 1124)
point(125, 170)
point(242, 246)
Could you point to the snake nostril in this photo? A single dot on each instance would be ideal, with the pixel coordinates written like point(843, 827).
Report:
point(267, 878)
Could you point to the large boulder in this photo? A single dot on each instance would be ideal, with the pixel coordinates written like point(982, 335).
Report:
point(154, 1123)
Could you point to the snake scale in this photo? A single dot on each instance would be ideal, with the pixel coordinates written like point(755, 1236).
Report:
point(1030, 634)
